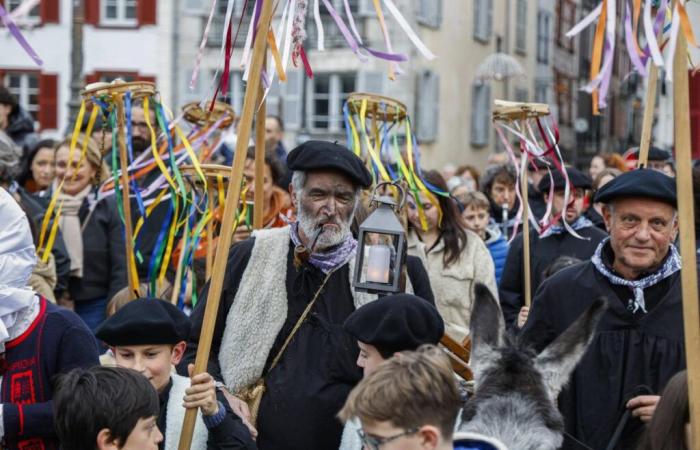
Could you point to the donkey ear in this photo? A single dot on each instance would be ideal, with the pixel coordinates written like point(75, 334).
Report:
point(487, 328)
point(558, 360)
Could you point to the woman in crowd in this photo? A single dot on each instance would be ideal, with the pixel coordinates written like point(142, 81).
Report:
point(38, 167)
point(454, 257)
point(92, 231)
point(603, 161)
point(595, 210)
point(669, 428)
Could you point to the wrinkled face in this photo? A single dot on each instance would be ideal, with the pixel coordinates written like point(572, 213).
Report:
point(273, 133)
point(144, 436)
point(5, 111)
point(641, 231)
point(328, 199)
point(43, 167)
point(476, 219)
point(249, 174)
point(140, 134)
point(75, 179)
point(503, 194)
point(431, 212)
point(597, 166)
point(152, 361)
point(574, 210)
point(369, 358)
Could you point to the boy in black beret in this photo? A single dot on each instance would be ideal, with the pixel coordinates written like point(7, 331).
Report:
point(387, 326)
point(656, 159)
point(554, 242)
point(148, 335)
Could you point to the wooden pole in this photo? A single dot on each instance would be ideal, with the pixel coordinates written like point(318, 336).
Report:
point(126, 204)
point(233, 193)
point(258, 196)
point(649, 106)
point(686, 219)
point(526, 236)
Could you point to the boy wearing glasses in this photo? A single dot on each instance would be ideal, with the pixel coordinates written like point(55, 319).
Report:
point(408, 402)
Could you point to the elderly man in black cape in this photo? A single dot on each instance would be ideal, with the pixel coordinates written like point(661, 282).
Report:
point(554, 242)
point(269, 284)
point(639, 341)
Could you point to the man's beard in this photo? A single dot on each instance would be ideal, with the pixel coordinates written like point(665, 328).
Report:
point(329, 237)
point(139, 144)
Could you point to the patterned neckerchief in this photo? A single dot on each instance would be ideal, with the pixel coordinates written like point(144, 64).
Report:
point(670, 266)
point(579, 224)
point(335, 257)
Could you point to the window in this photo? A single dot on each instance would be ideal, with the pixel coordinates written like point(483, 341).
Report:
point(25, 88)
point(31, 18)
point(566, 19)
point(481, 114)
point(429, 13)
point(543, 36)
point(521, 27)
point(483, 11)
point(541, 91)
point(521, 95)
point(428, 106)
point(328, 93)
point(563, 87)
point(118, 12)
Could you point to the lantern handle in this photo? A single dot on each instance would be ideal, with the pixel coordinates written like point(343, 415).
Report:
point(388, 200)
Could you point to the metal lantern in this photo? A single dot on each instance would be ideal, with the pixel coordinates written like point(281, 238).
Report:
point(381, 246)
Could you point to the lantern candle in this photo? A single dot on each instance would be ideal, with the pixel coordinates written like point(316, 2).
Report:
point(378, 263)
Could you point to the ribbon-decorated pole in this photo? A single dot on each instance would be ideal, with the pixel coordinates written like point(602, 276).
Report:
point(258, 195)
point(233, 193)
point(526, 238)
point(649, 105)
point(686, 220)
point(126, 202)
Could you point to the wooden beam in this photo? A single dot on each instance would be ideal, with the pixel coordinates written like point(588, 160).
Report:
point(649, 106)
point(258, 197)
point(686, 219)
point(233, 194)
point(526, 235)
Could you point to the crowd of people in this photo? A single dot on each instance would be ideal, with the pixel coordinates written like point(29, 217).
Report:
point(299, 358)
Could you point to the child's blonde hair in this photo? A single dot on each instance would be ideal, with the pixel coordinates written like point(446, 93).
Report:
point(410, 390)
point(474, 199)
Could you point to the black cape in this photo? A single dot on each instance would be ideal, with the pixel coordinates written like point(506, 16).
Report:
point(542, 253)
point(627, 350)
point(310, 383)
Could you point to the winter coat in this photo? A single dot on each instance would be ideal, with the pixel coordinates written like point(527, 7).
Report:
point(498, 247)
point(21, 130)
point(453, 286)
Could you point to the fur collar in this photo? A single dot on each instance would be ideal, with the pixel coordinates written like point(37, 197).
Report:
point(176, 414)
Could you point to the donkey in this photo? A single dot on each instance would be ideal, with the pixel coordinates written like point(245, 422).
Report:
point(516, 389)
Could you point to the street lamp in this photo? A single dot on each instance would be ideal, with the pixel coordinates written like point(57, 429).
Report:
point(381, 249)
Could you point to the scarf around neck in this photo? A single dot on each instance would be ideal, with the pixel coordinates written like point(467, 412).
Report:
point(670, 266)
point(579, 224)
point(328, 260)
point(69, 223)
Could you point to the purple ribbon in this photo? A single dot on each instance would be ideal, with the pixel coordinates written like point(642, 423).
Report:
point(14, 31)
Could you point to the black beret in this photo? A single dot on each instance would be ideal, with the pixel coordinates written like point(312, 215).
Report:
point(396, 323)
point(145, 321)
point(323, 155)
point(639, 183)
point(655, 154)
point(576, 177)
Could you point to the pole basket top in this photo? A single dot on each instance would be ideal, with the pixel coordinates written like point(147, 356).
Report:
point(379, 108)
point(139, 89)
point(511, 111)
point(203, 117)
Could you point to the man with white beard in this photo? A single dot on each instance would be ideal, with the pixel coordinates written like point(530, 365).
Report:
point(294, 281)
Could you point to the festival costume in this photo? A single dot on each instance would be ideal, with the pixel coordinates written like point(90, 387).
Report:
point(543, 252)
point(264, 295)
point(629, 348)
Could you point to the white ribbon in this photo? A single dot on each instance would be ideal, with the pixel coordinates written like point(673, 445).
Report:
point(585, 22)
point(425, 51)
point(319, 27)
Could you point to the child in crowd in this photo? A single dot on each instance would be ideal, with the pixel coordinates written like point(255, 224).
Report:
point(408, 402)
point(476, 218)
point(106, 408)
point(148, 335)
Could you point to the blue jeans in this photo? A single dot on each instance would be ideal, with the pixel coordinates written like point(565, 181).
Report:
point(93, 312)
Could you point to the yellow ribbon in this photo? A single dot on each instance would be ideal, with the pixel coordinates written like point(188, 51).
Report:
point(276, 55)
point(154, 145)
point(370, 148)
point(598, 53)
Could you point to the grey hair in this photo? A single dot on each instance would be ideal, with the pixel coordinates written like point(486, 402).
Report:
point(10, 156)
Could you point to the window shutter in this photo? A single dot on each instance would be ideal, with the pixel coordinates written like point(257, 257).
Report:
point(146, 12)
point(428, 98)
point(292, 100)
point(370, 82)
point(429, 12)
point(48, 10)
point(521, 26)
point(92, 11)
point(488, 19)
point(481, 114)
point(48, 101)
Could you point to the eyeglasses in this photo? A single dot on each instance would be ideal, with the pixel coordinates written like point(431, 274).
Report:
point(373, 443)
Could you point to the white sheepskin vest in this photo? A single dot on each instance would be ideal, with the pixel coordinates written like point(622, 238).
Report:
point(176, 414)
